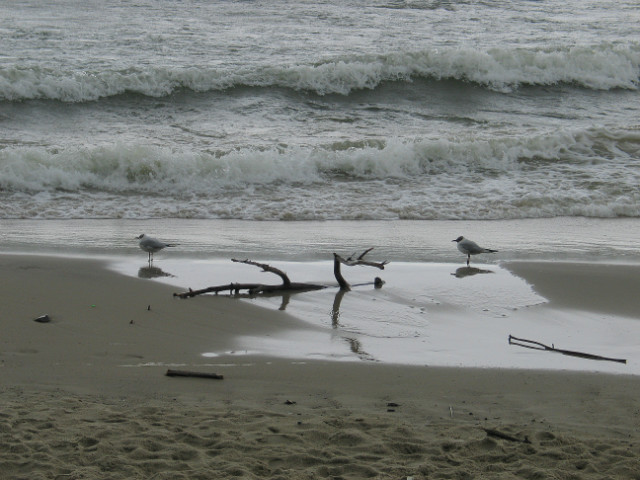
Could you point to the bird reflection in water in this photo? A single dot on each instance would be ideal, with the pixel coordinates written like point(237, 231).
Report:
point(469, 271)
point(153, 272)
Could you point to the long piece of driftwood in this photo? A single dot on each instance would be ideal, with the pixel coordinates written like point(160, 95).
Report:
point(186, 373)
point(522, 342)
point(250, 288)
point(230, 287)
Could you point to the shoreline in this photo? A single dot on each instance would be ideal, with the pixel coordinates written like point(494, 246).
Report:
point(578, 296)
point(74, 407)
point(562, 238)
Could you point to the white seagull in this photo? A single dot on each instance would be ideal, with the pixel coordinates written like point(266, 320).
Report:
point(152, 245)
point(469, 248)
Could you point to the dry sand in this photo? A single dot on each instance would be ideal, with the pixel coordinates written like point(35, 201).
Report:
point(77, 401)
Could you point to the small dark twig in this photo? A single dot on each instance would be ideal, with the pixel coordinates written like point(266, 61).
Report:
point(184, 373)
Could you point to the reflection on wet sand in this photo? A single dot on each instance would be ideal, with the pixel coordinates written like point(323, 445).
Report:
point(356, 347)
point(286, 298)
point(335, 310)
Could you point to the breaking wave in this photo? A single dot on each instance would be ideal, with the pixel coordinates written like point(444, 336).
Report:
point(587, 173)
point(601, 67)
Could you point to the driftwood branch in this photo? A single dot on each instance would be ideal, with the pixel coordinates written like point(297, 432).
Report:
point(287, 285)
point(267, 268)
point(255, 288)
point(251, 289)
point(360, 260)
point(231, 287)
point(185, 373)
point(350, 262)
point(522, 342)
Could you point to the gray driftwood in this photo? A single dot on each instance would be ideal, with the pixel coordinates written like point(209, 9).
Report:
point(287, 285)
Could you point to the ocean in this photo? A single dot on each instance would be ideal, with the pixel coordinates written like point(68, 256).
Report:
point(319, 110)
point(284, 131)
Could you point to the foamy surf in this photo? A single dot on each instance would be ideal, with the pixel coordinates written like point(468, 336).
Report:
point(573, 173)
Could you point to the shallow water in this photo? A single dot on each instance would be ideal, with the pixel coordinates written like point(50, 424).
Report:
point(425, 314)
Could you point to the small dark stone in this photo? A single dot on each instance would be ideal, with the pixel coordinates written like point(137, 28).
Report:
point(42, 319)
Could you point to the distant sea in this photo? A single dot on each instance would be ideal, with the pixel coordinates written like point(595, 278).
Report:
point(319, 110)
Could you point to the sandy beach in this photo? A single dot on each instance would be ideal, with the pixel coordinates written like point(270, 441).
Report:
point(86, 396)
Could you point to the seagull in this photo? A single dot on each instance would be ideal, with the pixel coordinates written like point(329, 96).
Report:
point(469, 248)
point(152, 245)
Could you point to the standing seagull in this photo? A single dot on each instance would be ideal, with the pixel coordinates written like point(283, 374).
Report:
point(151, 245)
point(469, 248)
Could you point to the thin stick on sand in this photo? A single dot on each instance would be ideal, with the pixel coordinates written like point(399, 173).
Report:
point(522, 342)
point(185, 373)
point(504, 436)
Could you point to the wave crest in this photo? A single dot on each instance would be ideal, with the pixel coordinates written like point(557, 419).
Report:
point(142, 168)
point(601, 67)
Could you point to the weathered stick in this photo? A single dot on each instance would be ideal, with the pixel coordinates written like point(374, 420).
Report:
point(185, 373)
point(504, 436)
point(522, 342)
